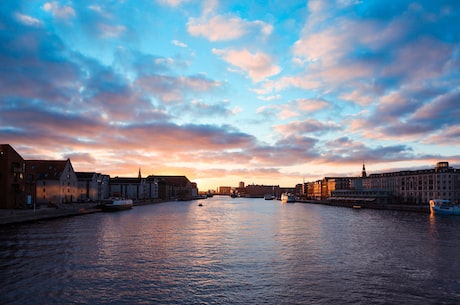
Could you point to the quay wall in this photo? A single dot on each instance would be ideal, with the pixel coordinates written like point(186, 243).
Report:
point(14, 216)
point(394, 207)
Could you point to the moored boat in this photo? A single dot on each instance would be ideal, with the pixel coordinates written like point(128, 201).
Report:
point(287, 197)
point(116, 204)
point(444, 207)
point(269, 197)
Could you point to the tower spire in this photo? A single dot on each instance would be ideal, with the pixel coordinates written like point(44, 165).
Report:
point(363, 173)
point(139, 175)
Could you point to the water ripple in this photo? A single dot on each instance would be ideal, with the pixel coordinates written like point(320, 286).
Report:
point(238, 251)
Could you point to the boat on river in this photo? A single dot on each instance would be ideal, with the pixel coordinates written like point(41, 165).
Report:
point(269, 197)
point(444, 207)
point(116, 204)
point(287, 197)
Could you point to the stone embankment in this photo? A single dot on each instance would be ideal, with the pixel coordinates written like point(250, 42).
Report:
point(394, 207)
point(11, 216)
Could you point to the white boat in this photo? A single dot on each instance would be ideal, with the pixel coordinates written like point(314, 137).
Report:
point(287, 197)
point(269, 197)
point(444, 207)
point(116, 204)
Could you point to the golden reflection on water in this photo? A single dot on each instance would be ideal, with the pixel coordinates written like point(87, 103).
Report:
point(433, 229)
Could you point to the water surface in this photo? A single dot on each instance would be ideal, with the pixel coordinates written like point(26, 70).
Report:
point(233, 250)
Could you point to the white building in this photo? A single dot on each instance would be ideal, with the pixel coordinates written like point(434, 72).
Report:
point(418, 186)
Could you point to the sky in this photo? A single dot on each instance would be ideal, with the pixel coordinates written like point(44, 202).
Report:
point(270, 92)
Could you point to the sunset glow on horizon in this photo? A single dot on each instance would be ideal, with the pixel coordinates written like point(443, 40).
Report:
point(265, 92)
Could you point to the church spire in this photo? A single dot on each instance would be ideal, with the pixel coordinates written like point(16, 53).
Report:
point(139, 175)
point(363, 173)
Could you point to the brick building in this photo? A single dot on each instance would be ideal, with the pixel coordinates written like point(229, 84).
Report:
point(12, 178)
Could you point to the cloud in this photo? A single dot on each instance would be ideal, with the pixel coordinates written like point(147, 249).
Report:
point(309, 126)
point(173, 3)
point(28, 20)
point(178, 43)
point(386, 76)
point(398, 68)
point(215, 27)
point(258, 65)
point(401, 116)
point(345, 150)
point(199, 108)
point(101, 11)
point(80, 158)
point(110, 31)
point(174, 89)
point(63, 12)
point(295, 108)
point(443, 107)
point(360, 97)
point(270, 97)
point(444, 137)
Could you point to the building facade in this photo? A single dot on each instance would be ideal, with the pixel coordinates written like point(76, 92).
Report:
point(12, 178)
point(174, 187)
point(260, 190)
point(54, 181)
point(127, 187)
point(419, 186)
point(404, 187)
point(134, 188)
point(92, 186)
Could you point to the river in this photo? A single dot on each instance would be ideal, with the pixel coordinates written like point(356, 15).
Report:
point(233, 251)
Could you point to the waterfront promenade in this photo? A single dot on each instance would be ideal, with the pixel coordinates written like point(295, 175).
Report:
point(11, 216)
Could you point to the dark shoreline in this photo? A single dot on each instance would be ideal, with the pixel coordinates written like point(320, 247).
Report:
point(373, 206)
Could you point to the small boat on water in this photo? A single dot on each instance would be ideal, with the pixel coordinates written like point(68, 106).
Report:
point(269, 197)
point(444, 207)
point(356, 206)
point(287, 197)
point(116, 204)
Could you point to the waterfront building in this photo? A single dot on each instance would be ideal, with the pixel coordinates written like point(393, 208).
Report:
point(174, 187)
point(12, 182)
point(315, 190)
point(225, 190)
point(403, 187)
point(151, 187)
point(194, 190)
point(92, 186)
point(299, 191)
point(418, 186)
point(369, 196)
point(128, 187)
point(54, 181)
point(259, 191)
